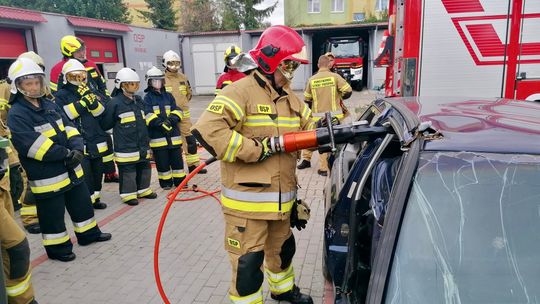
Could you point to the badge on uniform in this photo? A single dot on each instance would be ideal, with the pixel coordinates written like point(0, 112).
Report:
point(215, 108)
point(264, 109)
point(233, 243)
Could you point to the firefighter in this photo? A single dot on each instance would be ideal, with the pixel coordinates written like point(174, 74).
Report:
point(84, 108)
point(258, 191)
point(50, 150)
point(177, 84)
point(125, 115)
point(13, 241)
point(74, 48)
point(325, 92)
point(230, 74)
point(18, 179)
point(162, 118)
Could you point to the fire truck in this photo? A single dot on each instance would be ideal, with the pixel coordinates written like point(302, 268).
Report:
point(349, 58)
point(475, 48)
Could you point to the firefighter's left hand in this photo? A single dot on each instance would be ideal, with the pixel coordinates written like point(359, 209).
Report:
point(266, 152)
point(300, 214)
point(322, 123)
point(83, 89)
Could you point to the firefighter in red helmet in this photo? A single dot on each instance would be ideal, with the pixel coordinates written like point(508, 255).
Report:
point(258, 188)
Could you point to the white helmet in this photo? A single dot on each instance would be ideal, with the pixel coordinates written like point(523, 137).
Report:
point(24, 68)
point(74, 72)
point(154, 73)
point(125, 75)
point(34, 57)
point(170, 56)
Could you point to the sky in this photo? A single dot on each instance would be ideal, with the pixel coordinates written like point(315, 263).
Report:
point(278, 16)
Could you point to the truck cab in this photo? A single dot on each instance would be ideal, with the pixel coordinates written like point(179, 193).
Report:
point(349, 58)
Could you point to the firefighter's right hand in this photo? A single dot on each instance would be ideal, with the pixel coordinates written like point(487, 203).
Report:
point(73, 159)
point(300, 214)
point(83, 89)
point(88, 99)
point(166, 126)
point(266, 152)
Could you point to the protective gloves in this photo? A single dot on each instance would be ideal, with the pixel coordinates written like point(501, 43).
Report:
point(266, 152)
point(322, 123)
point(83, 89)
point(73, 159)
point(166, 126)
point(299, 215)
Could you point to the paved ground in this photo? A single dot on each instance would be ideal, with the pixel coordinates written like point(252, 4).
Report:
point(194, 266)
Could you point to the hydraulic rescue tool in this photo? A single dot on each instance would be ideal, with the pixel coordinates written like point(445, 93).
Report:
point(324, 139)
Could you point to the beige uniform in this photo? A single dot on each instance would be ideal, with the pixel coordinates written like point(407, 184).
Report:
point(325, 91)
point(178, 85)
point(28, 210)
point(256, 196)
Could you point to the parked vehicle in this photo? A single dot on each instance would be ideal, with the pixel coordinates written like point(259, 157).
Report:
point(349, 58)
point(442, 209)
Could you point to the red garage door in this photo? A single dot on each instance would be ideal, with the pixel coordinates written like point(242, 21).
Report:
point(100, 49)
point(13, 42)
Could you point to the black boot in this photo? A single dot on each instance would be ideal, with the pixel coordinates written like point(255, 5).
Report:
point(304, 164)
point(193, 167)
point(322, 173)
point(33, 228)
point(293, 296)
point(132, 202)
point(64, 257)
point(152, 195)
point(103, 237)
point(99, 205)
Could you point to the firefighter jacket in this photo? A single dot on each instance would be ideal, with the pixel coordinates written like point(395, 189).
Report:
point(178, 85)
point(130, 135)
point(159, 107)
point(85, 118)
point(246, 110)
point(326, 90)
point(95, 81)
point(43, 137)
point(227, 78)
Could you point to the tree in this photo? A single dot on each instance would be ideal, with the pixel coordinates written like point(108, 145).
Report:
point(112, 10)
point(160, 13)
point(239, 14)
point(198, 16)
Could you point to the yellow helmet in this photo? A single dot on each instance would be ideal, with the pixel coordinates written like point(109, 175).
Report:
point(70, 44)
point(230, 53)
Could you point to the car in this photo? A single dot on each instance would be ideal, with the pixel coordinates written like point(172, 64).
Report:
point(443, 208)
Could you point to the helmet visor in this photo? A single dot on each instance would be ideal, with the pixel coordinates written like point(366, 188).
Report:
point(130, 87)
point(287, 68)
point(173, 66)
point(156, 83)
point(76, 78)
point(32, 86)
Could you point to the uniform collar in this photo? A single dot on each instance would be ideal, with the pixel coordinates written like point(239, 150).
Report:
point(324, 69)
point(266, 84)
point(169, 73)
point(20, 99)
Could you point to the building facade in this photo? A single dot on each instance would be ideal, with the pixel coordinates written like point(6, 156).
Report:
point(332, 12)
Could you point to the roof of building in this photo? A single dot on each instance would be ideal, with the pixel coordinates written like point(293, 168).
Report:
point(21, 14)
point(97, 23)
point(480, 125)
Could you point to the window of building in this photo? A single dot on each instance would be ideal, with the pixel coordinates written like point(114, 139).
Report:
point(382, 5)
point(108, 54)
point(337, 6)
point(95, 54)
point(314, 6)
point(359, 16)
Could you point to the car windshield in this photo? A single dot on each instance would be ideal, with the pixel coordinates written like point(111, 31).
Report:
point(471, 231)
point(346, 49)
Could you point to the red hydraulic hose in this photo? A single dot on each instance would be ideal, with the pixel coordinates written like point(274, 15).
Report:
point(171, 200)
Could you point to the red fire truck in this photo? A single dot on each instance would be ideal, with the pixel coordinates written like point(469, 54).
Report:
point(476, 48)
point(349, 58)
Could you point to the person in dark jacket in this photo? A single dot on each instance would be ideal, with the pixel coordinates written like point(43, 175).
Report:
point(51, 150)
point(162, 118)
point(125, 115)
point(83, 108)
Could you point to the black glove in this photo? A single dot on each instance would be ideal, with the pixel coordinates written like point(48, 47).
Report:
point(299, 215)
point(166, 126)
point(266, 152)
point(83, 89)
point(73, 158)
point(322, 123)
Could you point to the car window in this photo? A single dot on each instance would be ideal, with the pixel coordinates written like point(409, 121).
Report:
point(470, 232)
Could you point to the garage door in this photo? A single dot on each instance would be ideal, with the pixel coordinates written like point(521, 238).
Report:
point(100, 49)
point(208, 64)
point(13, 42)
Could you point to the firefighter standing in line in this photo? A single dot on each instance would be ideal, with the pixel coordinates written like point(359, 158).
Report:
point(18, 179)
point(162, 118)
point(258, 189)
point(325, 92)
point(50, 150)
point(230, 74)
point(74, 48)
point(13, 241)
point(83, 108)
point(125, 115)
point(177, 84)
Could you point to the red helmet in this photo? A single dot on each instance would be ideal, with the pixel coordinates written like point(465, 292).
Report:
point(278, 43)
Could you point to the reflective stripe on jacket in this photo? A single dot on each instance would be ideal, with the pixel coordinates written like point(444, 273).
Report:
point(42, 137)
point(325, 90)
point(159, 106)
point(247, 109)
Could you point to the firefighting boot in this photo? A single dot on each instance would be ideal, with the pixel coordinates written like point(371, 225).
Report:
point(63, 258)
point(132, 202)
point(103, 237)
point(99, 205)
point(152, 195)
point(33, 228)
point(322, 173)
point(293, 296)
point(193, 167)
point(304, 164)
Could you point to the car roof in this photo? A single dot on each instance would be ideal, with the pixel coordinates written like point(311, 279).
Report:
point(477, 124)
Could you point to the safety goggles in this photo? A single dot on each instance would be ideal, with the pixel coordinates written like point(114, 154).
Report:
point(287, 68)
point(173, 66)
point(76, 77)
point(130, 87)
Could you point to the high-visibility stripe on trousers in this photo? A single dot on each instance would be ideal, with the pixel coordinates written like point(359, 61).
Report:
point(134, 180)
point(93, 176)
point(170, 166)
point(257, 201)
